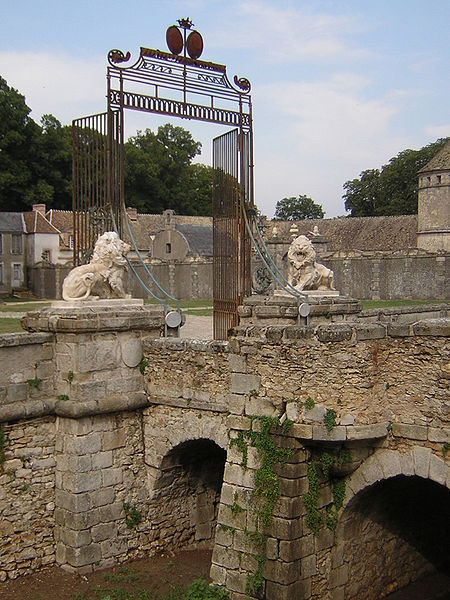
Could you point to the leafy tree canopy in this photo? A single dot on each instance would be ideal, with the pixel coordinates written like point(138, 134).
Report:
point(391, 190)
point(36, 160)
point(296, 208)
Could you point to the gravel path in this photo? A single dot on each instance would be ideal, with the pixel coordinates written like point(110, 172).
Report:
point(197, 328)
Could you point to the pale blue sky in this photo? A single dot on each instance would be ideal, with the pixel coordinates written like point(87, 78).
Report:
point(337, 86)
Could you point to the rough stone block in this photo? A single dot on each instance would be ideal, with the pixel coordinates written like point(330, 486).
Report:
point(237, 363)
point(412, 432)
point(218, 574)
point(399, 330)
point(260, 406)
point(226, 557)
point(432, 327)
point(236, 581)
point(278, 591)
point(439, 435)
point(369, 331)
point(86, 444)
point(367, 432)
point(421, 461)
point(280, 572)
point(308, 566)
point(438, 469)
point(301, 431)
point(112, 476)
point(81, 482)
point(114, 439)
point(334, 333)
point(242, 383)
point(236, 475)
point(99, 355)
point(321, 433)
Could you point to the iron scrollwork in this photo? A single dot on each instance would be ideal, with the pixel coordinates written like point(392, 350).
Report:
point(117, 56)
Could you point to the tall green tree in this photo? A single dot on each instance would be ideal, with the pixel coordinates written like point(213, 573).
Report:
point(158, 169)
point(35, 160)
point(18, 137)
point(391, 190)
point(297, 208)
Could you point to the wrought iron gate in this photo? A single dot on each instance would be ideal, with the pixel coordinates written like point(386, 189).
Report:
point(231, 260)
point(97, 179)
point(176, 84)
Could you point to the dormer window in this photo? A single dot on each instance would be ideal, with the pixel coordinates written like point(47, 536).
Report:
point(168, 248)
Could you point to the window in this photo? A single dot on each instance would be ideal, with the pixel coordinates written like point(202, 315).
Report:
point(46, 256)
point(17, 272)
point(168, 248)
point(16, 243)
point(438, 177)
point(1, 272)
point(1, 244)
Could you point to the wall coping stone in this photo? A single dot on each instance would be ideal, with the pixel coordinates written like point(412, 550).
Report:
point(95, 319)
point(24, 339)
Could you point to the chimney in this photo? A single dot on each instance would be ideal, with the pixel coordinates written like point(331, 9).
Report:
point(39, 208)
point(132, 213)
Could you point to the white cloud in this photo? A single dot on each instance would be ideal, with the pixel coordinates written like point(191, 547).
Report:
point(438, 131)
point(330, 132)
point(290, 34)
point(59, 84)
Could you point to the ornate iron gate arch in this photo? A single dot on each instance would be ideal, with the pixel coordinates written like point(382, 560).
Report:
point(176, 84)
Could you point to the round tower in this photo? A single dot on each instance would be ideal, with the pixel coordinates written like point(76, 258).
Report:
point(434, 203)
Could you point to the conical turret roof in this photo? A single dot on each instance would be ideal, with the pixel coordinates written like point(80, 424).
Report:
point(440, 161)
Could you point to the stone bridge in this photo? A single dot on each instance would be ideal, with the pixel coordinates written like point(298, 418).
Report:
point(117, 443)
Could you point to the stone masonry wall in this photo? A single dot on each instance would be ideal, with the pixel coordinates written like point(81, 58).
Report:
point(27, 497)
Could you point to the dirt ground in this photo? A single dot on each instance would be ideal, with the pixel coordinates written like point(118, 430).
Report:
point(160, 575)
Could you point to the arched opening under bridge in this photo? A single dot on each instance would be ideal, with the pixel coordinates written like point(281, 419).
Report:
point(392, 534)
point(188, 493)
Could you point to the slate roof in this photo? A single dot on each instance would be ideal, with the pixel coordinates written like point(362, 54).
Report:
point(199, 238)
point(11, 222)
point(439, 162)
point(357, 233)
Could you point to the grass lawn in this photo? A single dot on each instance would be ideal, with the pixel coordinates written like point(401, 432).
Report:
point(10, 326)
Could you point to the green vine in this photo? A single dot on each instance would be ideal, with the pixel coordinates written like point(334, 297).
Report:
point(63, 397)
point(445, 449)
point(330, 419)
point(241, 445)
point(35, 382)
point(70, 376)
point(143, 364)
point(311, 500)
point(235, 507)
point(327, 463)
point(266, 485)
point(309, 403)
point(132, 516)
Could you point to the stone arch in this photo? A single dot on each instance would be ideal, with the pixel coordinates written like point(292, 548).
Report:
point(166, 427)
point(391, 531)
point(187, 492)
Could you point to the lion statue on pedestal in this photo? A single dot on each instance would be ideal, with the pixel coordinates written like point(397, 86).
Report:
point(103, 276)
point(304, 272)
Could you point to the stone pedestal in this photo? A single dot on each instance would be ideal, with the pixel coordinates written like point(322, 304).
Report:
point(98, 378)
point(284, 310)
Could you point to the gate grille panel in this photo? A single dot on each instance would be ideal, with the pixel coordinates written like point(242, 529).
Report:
point(225, 233)
point(97, 180)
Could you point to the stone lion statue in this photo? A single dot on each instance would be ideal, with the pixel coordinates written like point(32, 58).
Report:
point(304, 272)
point(103, 276)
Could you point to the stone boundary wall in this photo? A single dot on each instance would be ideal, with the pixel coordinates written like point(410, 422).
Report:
point(362, 275)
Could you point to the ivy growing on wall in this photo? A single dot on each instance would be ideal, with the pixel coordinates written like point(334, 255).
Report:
point(266, 490)
point(327, 463)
